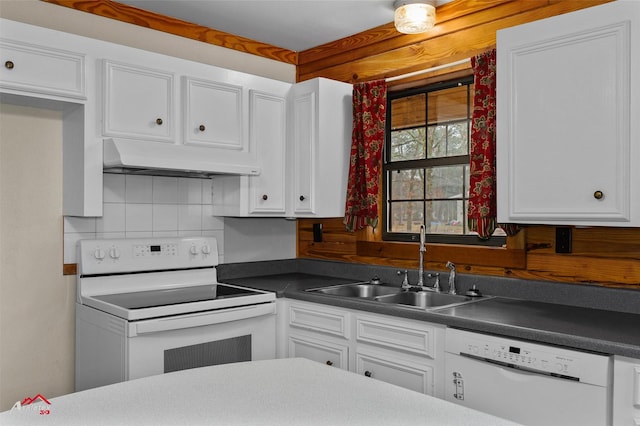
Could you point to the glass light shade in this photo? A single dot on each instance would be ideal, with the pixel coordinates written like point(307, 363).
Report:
point(414, 18)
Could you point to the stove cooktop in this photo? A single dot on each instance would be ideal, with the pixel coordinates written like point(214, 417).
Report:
point(174, 296)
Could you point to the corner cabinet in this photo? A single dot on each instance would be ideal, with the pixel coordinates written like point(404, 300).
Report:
point(568, 141)
point(403, 352)
point(303, 141)
point(320, 144)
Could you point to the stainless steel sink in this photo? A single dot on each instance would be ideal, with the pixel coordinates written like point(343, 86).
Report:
point(424, 299)
point(394, 295)
point(361, 290)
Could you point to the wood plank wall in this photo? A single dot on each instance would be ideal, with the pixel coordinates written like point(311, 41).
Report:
point(601, 256)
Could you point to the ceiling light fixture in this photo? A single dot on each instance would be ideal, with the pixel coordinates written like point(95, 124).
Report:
point(414, 16)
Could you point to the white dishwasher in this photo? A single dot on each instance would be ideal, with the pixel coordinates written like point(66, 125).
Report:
point(526, 382)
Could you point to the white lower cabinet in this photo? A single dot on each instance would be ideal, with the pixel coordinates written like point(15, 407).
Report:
point(313, 347)
point(397, 369)
point(402, 352)
point(626, 391)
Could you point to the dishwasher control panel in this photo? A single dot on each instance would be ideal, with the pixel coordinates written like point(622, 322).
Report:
point(535, 357)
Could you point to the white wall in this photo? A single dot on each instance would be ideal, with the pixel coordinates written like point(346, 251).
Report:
point(37, 320)
point(36, 299)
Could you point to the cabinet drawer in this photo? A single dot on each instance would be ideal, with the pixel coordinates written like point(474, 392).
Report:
point(407, 336)
point(35, 69)
point(319, 319)
point(397, 371)
point(329, 353)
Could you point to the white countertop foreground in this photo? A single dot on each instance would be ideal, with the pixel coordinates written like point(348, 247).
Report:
point(275, 392)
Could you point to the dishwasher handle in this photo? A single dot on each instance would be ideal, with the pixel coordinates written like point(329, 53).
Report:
point(520, 368)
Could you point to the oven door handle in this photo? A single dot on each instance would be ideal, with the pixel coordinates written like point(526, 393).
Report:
point(200, 319)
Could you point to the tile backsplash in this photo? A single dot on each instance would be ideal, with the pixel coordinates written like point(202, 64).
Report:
point(148, 206)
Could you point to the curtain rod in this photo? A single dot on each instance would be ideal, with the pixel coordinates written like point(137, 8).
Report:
point(436, 68)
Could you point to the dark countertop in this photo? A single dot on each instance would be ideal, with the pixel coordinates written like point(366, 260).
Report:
point(597, 330)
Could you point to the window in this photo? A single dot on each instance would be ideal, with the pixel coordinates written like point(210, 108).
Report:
point(426, 164)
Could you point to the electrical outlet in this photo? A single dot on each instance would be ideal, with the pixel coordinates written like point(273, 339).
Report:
point(563, 240)
point(317, 232)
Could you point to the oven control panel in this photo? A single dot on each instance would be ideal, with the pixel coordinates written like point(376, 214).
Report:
point(150, 254)
point(528, 356)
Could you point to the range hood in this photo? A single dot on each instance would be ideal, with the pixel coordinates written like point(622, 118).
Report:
point(166, 159)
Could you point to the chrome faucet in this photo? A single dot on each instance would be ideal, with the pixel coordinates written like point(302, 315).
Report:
point(423, 249)
point(452, 277)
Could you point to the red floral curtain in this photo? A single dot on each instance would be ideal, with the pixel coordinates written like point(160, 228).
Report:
point(482, 216)
point(369, 115)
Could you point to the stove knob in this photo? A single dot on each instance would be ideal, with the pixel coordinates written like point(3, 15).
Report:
point(114, 253)
point(99, 254)
point(206, 249)
point(193, 250)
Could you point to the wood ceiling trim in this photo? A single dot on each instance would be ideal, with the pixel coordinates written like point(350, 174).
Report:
point(363, 44)
point(446, 48)
point(143, 18)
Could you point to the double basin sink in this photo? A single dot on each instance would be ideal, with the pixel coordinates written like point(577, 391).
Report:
point(422, 299)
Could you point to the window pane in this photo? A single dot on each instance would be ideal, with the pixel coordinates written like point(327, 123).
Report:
point(446, 217)
point(407, 144)
point(407, 184)
point(408, 112)
point(457, 138)
point(445, 182)
point(406, 216)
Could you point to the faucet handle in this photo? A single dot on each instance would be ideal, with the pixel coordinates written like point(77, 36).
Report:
point(436, 285)
point(405, 281)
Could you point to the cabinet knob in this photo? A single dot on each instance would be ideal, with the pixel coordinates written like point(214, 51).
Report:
point(9, 65)
point(302, 198)
point(265, 197)
point(367, 373)
point(329, 362)
point(159, 121)
point(598, 195)
point(202, 128)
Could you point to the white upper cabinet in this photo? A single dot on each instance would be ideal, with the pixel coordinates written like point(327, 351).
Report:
point(41, 70)
point(303, 141)
point(568, 137)
point(213, 114)
point(138, 102)
point(320, 145)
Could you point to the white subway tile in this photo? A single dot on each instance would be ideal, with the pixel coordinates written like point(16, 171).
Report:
point(73, 224)
point(207, 185)
point(165, 190)
point(165, 217)
point(113, 218)
point(114, 188)
point(189, 191)
point(138, 189)
point(110, 235)
point(139, 218)
point(190, 217)
point(139, 234)
point(210, 222)
point(165, 233)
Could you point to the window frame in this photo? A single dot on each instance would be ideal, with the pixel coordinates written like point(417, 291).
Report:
point(388, 166)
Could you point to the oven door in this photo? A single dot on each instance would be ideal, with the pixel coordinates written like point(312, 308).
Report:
point(110, 349)
point(164, 345)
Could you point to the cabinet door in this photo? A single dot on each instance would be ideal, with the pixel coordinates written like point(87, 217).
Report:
point(213, 114)
point(41, 70)
point(399, 371)
point(564, 107)
point(268, 134)
point(304, 152)
point(138, 103)
point(313, 348)
point(626, 391)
